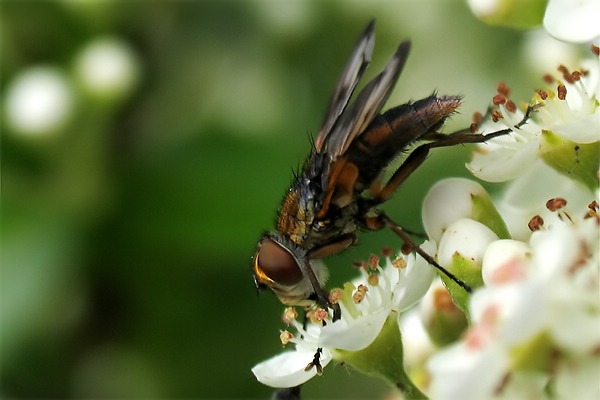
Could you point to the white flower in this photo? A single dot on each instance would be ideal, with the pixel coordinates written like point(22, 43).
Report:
point(288, 369)
point(107, 68)
point(566, 119)
point(366, 304)
point(526, 197)
point(39, 101)
point(573, 20)
point(449, 200)
point(537, 316)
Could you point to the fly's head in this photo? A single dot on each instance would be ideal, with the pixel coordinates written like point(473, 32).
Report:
point(285, 268)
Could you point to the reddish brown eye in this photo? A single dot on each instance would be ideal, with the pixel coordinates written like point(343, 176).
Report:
point(278, 264)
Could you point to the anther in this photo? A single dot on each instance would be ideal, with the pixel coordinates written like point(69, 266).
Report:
point(562, 92)
point(503, 89)
point(373, 262)
point(556, 204)
point(289, 315)
point(499, 99)
point(373, 279)
point(536, 223)
point(511, 106)
point(497, 116)
point(317, 316)
point(285, 337)
point(406, 249)
point(399, 262)
point(335, 295)
point(543, 94)
point(387, 252)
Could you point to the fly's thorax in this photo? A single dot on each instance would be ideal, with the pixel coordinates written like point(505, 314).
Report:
point(297, 213)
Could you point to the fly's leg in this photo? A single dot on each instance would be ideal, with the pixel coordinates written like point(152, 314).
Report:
point(381, 221)
point(321, 294)
point(418, 156)
point(412, 162)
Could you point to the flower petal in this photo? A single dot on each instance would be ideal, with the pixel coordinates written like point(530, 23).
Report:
point(504, 163)
point(356, 334)
point(416, 282)
point(459, 372)
point(288, 369)
point(573, 21)
point(447, 201)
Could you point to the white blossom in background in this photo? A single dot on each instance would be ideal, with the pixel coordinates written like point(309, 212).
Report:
point(573, 21)
point(39, 101)
point(535, 321)
point(107, 68)
point(368, 304)
point(566, 120)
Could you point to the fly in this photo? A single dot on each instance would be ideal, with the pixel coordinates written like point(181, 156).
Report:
point(339, 188)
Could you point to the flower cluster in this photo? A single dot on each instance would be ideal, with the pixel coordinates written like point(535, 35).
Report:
point(535, 320)
point(370, 307)
point(531, 327)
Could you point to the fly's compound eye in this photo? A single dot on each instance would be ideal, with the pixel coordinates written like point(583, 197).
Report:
point(274, 263)
point(321, 225)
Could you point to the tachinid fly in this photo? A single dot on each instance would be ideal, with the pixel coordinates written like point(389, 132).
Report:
point(339, 187)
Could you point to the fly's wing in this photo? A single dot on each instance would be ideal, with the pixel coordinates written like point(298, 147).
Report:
point(337, 177)
point(368, 104)
point(358, 62)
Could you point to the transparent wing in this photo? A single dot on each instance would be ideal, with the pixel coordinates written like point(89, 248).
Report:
point(355, 119)
point(358, 62)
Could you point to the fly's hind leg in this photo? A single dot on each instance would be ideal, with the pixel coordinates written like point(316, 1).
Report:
point(381, 221)
point(418, 156)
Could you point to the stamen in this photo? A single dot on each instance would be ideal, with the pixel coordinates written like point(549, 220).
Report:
point(549, 79)
point(373, 279)
point(335, 295)
point(387, 252)
point(360, 294)
point(399, 263)
point(499, 99)
point(596, 50)
point(503, 89)
point(285, 337)
point(536, 223)
point(556, 204)
point(373, 262)
point(406, 249)
point(497, 116)
point(511, 106)
point(289, 315)
point(562, 92)
point(317, 316)
point(543, 94)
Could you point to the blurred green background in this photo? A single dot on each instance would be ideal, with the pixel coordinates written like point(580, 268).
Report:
point(129, 224)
